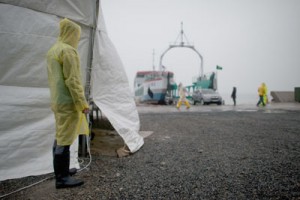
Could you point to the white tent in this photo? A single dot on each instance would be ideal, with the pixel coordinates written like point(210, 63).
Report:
point(28, 28)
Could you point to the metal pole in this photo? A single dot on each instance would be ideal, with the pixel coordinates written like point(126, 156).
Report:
point(153, 59)
point(181, 43)
point(217, 79)
point(89, 71)
point(186, 46)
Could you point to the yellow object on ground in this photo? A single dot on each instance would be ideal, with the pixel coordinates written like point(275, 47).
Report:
point(64, 77)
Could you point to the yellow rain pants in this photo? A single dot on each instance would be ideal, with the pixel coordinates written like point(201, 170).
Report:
point(64, 78)
point(186, 102)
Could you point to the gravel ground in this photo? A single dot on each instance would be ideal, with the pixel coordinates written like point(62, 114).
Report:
point(193, 155)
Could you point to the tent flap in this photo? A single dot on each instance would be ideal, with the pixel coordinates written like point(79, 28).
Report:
point(27, 125)
point(28, 29)
point(111, 92)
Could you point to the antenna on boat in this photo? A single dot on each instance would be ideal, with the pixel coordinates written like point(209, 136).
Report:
point(182, 33)
point(182, 37)
point(182, 44)
point(153, 59)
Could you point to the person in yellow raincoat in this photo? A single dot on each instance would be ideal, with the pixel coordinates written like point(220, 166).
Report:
point(261, 94)
point(266, 100)
point(182, 97)
point(67, 99)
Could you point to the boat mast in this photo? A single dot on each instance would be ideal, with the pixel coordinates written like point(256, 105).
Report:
point(153, 60)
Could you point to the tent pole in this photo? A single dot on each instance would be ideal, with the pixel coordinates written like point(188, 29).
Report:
point(89, 73)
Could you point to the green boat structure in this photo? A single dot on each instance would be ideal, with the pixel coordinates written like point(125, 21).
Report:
point(208, 81)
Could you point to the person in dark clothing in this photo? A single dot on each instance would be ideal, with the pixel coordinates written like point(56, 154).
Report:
point(233, 95)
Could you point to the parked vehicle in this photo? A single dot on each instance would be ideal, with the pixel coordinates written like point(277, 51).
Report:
point(206, 96)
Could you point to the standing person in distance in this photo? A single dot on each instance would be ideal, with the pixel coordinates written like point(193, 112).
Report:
point(233, 96)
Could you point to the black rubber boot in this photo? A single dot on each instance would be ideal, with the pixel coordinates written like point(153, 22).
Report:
point(61, 170)
point(68, 182)
point(72, 171)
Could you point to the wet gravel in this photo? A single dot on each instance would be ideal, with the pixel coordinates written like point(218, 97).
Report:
point(193, 155)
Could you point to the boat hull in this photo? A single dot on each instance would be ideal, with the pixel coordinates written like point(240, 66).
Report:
point(153, 88)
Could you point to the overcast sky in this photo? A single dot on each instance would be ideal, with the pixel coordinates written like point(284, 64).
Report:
point(254, 41)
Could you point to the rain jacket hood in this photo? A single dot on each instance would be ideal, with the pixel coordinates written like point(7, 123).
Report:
point(69, 33)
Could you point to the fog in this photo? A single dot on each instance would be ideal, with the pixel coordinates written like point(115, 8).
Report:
point(254, 41)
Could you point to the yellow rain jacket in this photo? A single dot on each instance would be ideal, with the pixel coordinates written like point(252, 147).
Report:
point(264, 86)
point(261, 91)
point(182, 95)
point(64, 77)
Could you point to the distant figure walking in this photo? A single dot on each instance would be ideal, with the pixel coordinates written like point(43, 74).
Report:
point(266, 100)
point(182, 97)
point(261, 94)
point(233, 96)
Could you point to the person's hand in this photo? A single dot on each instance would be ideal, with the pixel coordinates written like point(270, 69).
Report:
point(86, 111)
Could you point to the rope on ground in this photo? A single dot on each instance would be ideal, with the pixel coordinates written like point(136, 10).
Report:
point(29, 186)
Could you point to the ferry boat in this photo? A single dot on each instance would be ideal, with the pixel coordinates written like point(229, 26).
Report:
point(158, 86)
point(152, 86)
